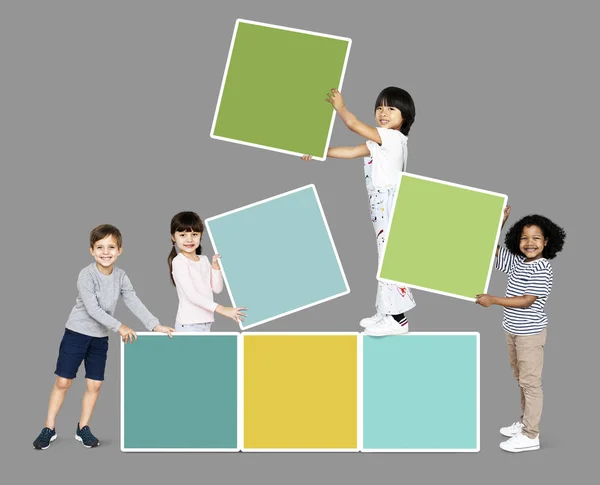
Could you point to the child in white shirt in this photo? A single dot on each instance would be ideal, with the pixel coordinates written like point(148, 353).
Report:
point(385, 153)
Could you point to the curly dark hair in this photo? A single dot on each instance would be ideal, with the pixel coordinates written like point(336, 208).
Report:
point(554, 234)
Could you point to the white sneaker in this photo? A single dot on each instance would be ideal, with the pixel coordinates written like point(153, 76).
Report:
point(370, 321)
point(386, 326)
point(513, 429)
point(520, 442)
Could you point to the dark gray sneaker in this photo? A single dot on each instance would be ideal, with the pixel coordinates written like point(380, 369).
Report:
point(86, 437)
point(42, 442)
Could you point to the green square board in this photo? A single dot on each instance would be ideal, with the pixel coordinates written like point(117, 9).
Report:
point(274, 88)
point(442, 237)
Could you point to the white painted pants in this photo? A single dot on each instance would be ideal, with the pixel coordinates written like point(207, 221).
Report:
point(391, 299)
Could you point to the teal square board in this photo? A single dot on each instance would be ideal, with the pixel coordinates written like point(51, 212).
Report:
point(278, 255)
point(273, 89)
point(442, 237)
point(180, 393)
point(421, 393)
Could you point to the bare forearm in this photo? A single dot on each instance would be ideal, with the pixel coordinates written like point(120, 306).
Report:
point(348, 118)
point(524, 301)
point(342, 152)
point(351, 121)
point(501, 227)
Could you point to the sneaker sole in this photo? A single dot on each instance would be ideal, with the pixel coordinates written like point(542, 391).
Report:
point(508, 435)
point(367, 325)
point(519, 450)
point(51, 440)
point(374, 334)
point(78, 438)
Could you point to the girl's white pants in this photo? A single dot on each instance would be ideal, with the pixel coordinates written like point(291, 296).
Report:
point(391, 299)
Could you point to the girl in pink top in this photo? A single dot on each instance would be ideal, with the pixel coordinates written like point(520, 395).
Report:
point(195, 277)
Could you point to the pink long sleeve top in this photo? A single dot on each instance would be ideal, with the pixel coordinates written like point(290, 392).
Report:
point(196, 281)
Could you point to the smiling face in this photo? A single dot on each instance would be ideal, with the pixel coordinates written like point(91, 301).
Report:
point(532, 242)
point(105, 252)
point(187, 242)
point(388, 117)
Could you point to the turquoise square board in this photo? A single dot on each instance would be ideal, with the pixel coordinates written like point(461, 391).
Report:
point(421, 393)
point(278, 255)
point(180, 393)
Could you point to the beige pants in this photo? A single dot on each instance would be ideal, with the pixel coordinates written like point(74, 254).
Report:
point(526, 357)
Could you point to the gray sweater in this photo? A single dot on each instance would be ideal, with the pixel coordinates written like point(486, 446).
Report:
point(98, 295)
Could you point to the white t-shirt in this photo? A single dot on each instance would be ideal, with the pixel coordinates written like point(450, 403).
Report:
point(387, 160)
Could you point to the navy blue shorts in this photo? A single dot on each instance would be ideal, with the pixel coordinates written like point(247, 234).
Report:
point(76, 348)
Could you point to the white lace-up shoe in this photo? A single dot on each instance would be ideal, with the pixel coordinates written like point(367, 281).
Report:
point(513, 429)
point(386, 326)
point(370, 321)
point(520, 442)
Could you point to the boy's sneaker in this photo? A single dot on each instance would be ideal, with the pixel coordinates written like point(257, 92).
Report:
point(387, 326)
point(513, 429)
point(44, 439)
point(370, 321)
point(86, 437)
point(520, 442)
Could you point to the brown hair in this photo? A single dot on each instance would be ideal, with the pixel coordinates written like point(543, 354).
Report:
point(105, 230)
point(183, 222)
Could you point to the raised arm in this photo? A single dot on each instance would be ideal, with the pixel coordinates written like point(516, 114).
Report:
point(216, 277)
point(350, 120)
point(506, 214)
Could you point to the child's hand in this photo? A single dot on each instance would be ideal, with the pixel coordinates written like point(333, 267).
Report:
point(215, 261)
point(335, 98)
point(235, 314)
point(162, 329)
point(506, 213)
point(484, 300)
point(306, 158)
point(127, 334)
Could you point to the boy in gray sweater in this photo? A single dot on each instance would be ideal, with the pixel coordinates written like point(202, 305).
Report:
point(86, 334)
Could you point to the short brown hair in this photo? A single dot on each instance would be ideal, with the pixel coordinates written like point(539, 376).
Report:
point(105, 230)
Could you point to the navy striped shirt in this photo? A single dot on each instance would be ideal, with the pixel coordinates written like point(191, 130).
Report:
point(525, 278)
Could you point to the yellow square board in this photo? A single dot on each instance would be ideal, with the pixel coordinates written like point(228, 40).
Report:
point(300, 392)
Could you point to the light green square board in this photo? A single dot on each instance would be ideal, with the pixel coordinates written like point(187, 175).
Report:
point(442, 237)
point(274, 88)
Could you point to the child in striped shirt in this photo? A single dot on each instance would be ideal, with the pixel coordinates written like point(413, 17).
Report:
point(530, 243)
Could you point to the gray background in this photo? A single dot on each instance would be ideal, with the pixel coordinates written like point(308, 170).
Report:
point(106, 109)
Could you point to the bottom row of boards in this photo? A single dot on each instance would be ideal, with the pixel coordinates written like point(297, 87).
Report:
point(300, 392)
